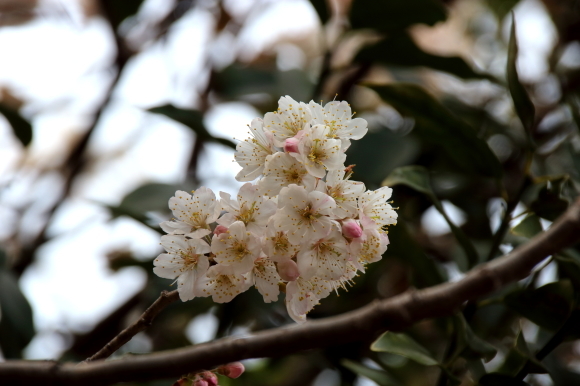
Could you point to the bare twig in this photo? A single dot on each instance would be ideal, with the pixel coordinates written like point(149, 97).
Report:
point(144, 321)
point(396, 313)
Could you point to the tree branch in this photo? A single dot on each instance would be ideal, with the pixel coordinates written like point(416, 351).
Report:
point(396, 314)
point(144, 321)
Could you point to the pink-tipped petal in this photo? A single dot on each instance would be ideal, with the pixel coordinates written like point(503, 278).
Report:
point(288, 270)
point(351, 229)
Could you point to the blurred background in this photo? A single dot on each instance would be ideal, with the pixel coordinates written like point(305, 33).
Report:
point(107, 107)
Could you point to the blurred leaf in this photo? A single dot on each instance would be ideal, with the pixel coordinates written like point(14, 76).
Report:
point(496, 379)
point(550, 204)
point(321, 7)
point(547, 306)
point(117, 11)
point(400, 49)
point(426, 272)
point(21, 127)
point(518, 357)
point(16, 322)
point(417, 177)
point(192, 119)
point(528, 227)
point(501, 7)
point(404, 345)
point(437, 125)
point(383, 148)
point(149, 197)
point(470, 344)
point(238, 80)
point(378, 376)
point(522, 103)
point(391, 15)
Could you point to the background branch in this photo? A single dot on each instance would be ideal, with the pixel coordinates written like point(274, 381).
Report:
point(396, 313)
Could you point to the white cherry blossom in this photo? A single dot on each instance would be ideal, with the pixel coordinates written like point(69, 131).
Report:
point(282, 170)
point(266, 279)
point(251, 208)
point(237, 248)
point(345, 192)
point(368, 248)
point(304, 215)
point(194, 213)
point(223, 285)
point(251, 153)
point(326, 258)
point(302, 295)
point(290, 118)
point(374, 205)
point(276, 244)
point(185, 261)
point(318, 152)
point(337, 116)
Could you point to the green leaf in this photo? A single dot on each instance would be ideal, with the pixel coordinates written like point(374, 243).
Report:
point(548, 306)
point(518, 357)
point(404, 345)
point(501, 7)
point(321, 8)
point(438, 126)
point(390, 15)
point(238, 80)
point(549, 204)
point(417, 177)
point(528, 227)
point(149, 197)
point(426, 272)
point(471, 345)
point(379, 376)
point(192, 119)
point(496, 379)
point(117, 11)
point(399, 49)
point(522, 102)
point(16, 322)
point(21, 127)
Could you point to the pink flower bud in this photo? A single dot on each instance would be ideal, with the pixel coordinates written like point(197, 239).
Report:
point(200, 382)
point(291, 145)
point(288, 270)
point(209, 377)
point(231, 370)
point(351, 229)
point(219, 230)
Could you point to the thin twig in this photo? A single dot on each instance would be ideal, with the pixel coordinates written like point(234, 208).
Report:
point(395, 314)
point(144, 321)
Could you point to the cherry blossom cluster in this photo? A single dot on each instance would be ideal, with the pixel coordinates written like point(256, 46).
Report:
point(303, 225)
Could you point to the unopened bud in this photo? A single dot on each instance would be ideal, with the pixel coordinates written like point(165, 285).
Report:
point(219, 230)
point(209, 377)
point(200, 382)
point(231, 370)
point(288, 270)
point(291, 145)
point(351, 229)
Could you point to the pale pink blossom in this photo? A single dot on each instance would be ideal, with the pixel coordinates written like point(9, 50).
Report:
point(369, 248)
point(344, 191)
point(302, 295)
point(337, 116)
point(288, 270)
point(351, 228)
point(185, 261)
point(219, 230)
point(231, 370)
point(276, 244)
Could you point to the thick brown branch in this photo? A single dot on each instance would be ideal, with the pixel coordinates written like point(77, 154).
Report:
point(144, 321)
point(395, 313)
